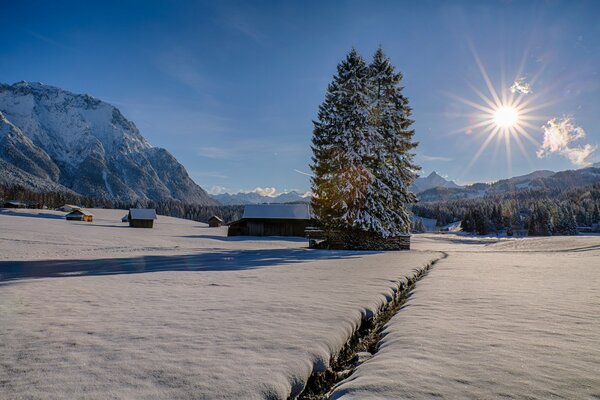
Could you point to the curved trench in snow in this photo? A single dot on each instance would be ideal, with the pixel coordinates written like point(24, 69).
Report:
point(363, 344)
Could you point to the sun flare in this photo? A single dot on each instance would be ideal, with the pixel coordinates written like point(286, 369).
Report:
point(503, 116)
point(506, 117)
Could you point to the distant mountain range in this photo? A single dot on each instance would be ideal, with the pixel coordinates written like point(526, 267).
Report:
point(255, 198)
point(542, 179)
point(52, 139)
point(436, 188)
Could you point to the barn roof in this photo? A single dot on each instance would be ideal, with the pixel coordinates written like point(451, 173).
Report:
point(80, 211)
point(215, 217)
point(277, 211)
point(15, 203)
point(142, 213)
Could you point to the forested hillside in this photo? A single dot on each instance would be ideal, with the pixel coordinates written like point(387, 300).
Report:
point(542, 212)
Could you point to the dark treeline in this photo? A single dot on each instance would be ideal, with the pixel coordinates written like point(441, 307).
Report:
point(171, 208)
point(540, 212)
point(174, 208)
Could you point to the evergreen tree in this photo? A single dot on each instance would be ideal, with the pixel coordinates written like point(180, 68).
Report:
point(340, 178)
point(362, 163)
point(392, 166)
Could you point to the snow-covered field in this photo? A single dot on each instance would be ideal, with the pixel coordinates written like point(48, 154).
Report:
point(99, 310)
point(46, 235)
point(496, 319)
point(102, 311)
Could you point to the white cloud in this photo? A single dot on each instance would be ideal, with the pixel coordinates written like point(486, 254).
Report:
point(559, 136)
point(217, 190)
point(520, 86)
point(581, 155)
point(266, 191)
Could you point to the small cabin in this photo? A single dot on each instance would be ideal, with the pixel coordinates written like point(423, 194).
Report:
point(14, 204)
point(272, 220)
point(80, 214)
point(215, 222)
point(141, 217)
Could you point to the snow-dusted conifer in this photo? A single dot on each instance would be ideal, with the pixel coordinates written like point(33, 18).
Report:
point(362, 142)
point(392, 166)
point(340, 143)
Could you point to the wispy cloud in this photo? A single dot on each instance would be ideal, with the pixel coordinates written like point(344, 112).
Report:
point(435, 158)
point(302, 172)
point(209, 174)
point(262, 147)
point(520, 86)
point(219, 153)
point(560, 136)
point(48, 40)
point(245, 22)
point(179, 64)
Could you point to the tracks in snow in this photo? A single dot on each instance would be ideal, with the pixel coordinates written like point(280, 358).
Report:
point(363, 344)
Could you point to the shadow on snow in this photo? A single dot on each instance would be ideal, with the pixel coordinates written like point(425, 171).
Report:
point(11, 213)
point(227, 260)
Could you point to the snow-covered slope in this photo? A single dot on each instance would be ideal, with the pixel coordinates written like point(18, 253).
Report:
point(431, 181)
point(88, 146)
point(255, 198)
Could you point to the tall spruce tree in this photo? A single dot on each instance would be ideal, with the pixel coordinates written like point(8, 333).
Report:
point(340, 178)
point(362, 163)
point(392, 166)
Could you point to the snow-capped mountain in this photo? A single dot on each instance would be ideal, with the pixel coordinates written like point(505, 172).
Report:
point(84, 144)
point(433, 180)
point(255, 198)
point(536, 180)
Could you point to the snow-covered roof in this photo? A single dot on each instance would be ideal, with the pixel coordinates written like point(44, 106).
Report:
point(277, 211)
point(142, 213)
point(215, 217)
point(16, 203)
point(80, 211)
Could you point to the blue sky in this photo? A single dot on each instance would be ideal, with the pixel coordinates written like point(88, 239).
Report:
point(231, 88)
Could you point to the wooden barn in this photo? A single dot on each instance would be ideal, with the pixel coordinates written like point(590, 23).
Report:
point(272, 220)
point(79, 214)
point(141, 217)
point(215, 222)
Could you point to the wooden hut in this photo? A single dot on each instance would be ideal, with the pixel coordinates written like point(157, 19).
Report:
point(80, 214)
point(14, 204)
point(215, 222)
point(272, 220)
point(142, 217)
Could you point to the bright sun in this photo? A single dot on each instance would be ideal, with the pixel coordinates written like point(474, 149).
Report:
point(506, 117)
point(503, 115)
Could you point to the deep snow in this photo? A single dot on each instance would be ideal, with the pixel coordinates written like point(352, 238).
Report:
point(496, 319)
point(99, 310)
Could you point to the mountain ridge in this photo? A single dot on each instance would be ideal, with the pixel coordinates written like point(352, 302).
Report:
point(86, 145)
point(536, 180)
point(243, 198)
